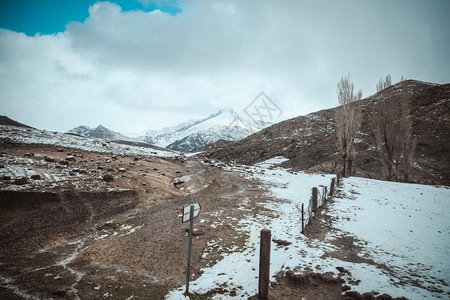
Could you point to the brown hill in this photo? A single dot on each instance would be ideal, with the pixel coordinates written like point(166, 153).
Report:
point(309, 141)
point(4, 120)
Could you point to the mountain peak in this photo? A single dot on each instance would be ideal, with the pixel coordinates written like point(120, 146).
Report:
point(225, 124)
point(99, 132)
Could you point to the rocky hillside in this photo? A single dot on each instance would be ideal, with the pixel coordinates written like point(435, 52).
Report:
point(309, 141)
point(99, 132)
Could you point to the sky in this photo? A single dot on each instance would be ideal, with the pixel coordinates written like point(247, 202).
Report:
point(137, 65)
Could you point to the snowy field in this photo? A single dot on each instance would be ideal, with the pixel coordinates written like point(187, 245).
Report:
point(402, 231)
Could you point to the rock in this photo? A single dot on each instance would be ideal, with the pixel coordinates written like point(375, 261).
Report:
point(36, 177)
point(71, 158)
point(108, 178)
point(29, 154)
point(136, 158)
point(178, 181)
point(6, 177)
point(281, 242)
point(122, 169)
point(49, 159)
point(63, 162)
point(346, 288)
point(21, 180)
point(60, 150)
point(2, 166)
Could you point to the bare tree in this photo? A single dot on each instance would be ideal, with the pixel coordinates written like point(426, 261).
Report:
point(382, 84)
point(392, 126)
point(383, 120)
point(408, 142)
point(348, 121)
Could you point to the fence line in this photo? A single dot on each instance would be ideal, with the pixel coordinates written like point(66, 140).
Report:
point(318, 198)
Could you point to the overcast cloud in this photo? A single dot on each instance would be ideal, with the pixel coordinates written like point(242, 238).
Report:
point(133, 71)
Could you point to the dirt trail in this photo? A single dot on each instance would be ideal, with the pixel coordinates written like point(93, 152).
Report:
point(100, 240)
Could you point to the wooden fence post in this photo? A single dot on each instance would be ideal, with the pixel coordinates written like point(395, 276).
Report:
point(338, 180)
point(333, 182)
point(264, 265)
point(314, 199)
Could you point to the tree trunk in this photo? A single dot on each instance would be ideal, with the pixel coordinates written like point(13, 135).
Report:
point(389, 173)
point(344, 170)
point(350, 167)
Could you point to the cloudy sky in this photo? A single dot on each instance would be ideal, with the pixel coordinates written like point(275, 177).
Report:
point(133, 65)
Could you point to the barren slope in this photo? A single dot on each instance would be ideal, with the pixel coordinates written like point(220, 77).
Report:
point(309, 141)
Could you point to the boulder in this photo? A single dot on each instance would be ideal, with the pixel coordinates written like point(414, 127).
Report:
point(108, 178)
point(21, 180)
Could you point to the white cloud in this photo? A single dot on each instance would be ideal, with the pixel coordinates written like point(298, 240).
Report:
point(133, 71)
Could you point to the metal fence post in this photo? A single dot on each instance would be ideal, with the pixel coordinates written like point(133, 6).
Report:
point(303, 218)
point(191, 232)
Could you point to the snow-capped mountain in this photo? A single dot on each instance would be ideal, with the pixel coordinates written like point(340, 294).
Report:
point(225, 125)
point(100, 132)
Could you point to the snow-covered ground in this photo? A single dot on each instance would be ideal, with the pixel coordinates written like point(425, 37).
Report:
point(36, 136)
point(402, 231)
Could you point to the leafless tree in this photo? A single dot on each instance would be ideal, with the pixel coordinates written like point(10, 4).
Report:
point(383, 120)
point(348, 120)
point(392, 126)
point(408, 141)
point(382, 84)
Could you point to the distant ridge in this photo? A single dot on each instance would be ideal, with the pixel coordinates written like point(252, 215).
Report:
point(4, 120)
point(99, 132)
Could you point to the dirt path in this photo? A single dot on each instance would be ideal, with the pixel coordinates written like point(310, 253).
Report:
point(80, 244)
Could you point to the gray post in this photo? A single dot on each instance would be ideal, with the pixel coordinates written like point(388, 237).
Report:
point(264, 265)
point(191, 232)
point(314, 199)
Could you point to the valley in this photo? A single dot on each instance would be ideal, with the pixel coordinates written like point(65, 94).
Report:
point(96, 219)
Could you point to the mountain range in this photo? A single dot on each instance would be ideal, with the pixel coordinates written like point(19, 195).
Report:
point(191, 135)
point(309, 141)
point(99, 132)
point(223, 125)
